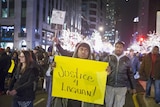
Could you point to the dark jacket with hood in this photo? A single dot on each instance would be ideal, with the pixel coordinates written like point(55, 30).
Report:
point(69, 102)
point(121, 71)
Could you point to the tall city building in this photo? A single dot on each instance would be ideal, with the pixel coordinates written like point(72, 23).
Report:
point(154, 7)
point(112, 19)
point(73, 15)
point(147, 16)
point(93, 16)
point(27, 23)
point(126, 12)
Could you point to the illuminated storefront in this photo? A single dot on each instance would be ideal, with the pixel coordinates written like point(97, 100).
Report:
point(6, 36)
point(47, 39)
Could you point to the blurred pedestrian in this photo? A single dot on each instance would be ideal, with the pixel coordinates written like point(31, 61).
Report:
point(135, 63)
point(48, 78)
point(42, 60)
point(8, 51)
point(119, 75)
point(14, 63)
point(5, 62)
point(24, 82)
point(150, 68)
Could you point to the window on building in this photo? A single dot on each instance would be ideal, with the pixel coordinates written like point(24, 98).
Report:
point(57, 4)
point(49, 11)
point(7, 33)
point(91, 12)
point(37, 15)
point(84, 7)
point(92, 26)
point(4, 9)
point(23, 12)
point(61, 5)
point(44, 11)
point(92, 19)
point(23, 32)
point(93, 5)
point(23, 15)
point(47, 37)
point(48, 19)
point(11, 8)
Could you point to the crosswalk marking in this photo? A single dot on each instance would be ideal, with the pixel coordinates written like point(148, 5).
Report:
point(39, 101)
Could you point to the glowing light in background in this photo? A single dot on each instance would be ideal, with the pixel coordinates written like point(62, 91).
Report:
point(152, 40)
point(70, 39)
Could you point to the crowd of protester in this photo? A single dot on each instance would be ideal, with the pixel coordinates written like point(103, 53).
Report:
point(39, 61)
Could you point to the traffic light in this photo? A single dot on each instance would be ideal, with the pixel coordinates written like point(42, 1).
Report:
point(140, 40)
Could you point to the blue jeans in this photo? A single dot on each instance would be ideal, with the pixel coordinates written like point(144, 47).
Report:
point(157, 91)
point(156, 84)
point(17, 103)
point(49, 90)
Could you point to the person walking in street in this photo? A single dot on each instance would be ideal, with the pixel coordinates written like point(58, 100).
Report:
point(82, 51)
point(150, 68)
point(5, 62)
point(49, 78)
point(135, 63)
point(119, 75)
point(23, 84)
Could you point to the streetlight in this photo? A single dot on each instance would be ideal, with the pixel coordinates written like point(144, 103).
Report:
point(100, 28)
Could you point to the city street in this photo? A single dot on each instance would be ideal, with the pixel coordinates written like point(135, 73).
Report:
point(41, 98)
point(74, 42)
point(40, 101)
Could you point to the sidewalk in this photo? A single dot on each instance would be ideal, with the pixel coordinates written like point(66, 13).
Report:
point(146, 102)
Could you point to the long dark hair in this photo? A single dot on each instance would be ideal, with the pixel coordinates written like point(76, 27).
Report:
point(27, 59)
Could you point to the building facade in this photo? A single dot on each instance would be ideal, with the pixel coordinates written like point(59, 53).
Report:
point(25, 24)
point(93, 16)
point(112, 18)
point(148, 16)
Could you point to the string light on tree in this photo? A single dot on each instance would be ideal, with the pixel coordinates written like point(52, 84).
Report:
point(145, 45)
point(70, 39)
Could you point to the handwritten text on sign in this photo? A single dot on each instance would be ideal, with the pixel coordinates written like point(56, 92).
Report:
point(79, 79)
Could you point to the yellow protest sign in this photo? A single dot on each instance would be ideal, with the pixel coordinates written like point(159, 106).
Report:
point(11, 67)
point(79, 79)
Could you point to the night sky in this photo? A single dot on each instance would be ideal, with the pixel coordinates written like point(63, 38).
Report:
point(128, 11)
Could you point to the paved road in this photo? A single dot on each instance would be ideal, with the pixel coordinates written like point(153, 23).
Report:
point(40, 101)
point(146, 102)
point(41, 98)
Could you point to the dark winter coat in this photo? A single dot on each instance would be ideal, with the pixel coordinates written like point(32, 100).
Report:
point(121, 71)
point(25, 84)
point(146, 65)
